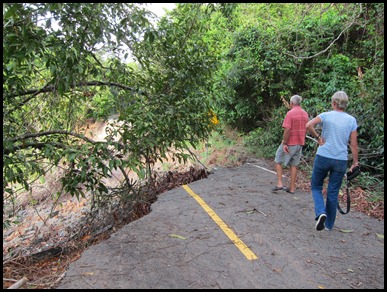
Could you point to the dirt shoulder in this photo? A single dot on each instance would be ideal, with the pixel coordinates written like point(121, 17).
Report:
point(180, 245)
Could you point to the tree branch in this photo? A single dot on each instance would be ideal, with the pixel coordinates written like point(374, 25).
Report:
point(7, 151)
point(326, 49)
point(41, 134)
point(330, 45)
point(52, 88)
point(19, 283)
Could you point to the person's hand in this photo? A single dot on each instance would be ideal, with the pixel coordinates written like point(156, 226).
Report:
point(354, 171)
point(286, 148)
point(321, 141)
point(353, 166)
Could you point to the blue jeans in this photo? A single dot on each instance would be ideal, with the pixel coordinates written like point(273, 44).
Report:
point(322, 167)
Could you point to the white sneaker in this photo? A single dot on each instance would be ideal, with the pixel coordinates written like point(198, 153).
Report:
point(327, 229)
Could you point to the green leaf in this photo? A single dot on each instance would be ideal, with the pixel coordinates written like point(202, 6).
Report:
point(177, 236)
point(380, 235)
point(346, 231)
point(72, 156)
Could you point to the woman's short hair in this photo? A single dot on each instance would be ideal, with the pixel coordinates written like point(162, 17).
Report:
point(341, 99)
point(296, 99)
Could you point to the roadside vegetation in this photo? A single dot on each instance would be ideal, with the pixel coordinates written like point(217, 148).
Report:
point(213, 78)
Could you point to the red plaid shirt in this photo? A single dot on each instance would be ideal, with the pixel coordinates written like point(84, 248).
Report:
point(296, 120)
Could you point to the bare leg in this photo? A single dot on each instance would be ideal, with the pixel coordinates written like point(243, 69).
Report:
point(293, 177)
point(278, 167)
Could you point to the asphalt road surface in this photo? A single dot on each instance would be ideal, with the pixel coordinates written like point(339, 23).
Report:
point(229, 231)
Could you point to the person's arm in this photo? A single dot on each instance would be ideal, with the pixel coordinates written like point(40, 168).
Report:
point(354, 149)
point(285, 140)
point(310, 128)
point(286, 136)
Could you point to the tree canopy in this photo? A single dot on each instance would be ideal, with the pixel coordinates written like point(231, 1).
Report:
point(52, 74)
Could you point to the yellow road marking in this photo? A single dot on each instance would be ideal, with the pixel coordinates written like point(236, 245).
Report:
point(227, 230)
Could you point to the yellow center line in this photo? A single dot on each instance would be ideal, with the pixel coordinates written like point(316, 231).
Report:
point(227, 230)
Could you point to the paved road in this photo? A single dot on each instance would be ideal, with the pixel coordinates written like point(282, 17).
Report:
point(230, 231)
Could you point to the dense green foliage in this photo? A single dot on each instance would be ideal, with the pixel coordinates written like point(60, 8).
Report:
point(277, 50)
point(62, 64)
point(54, 77)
